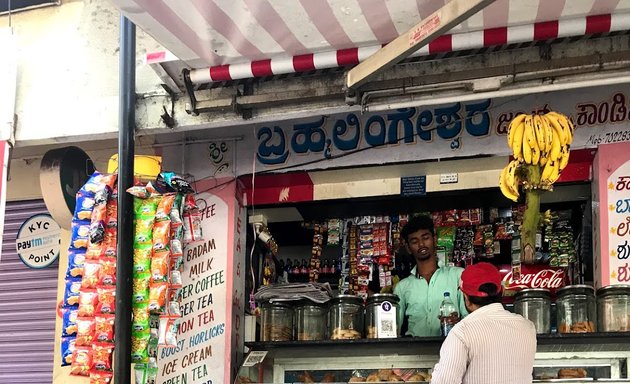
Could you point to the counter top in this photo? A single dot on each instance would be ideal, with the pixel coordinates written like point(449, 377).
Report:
point(576, 342)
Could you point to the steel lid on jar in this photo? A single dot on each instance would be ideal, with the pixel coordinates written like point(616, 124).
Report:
point(578, 289)
point(349, 299)
point(612, 290)
point(309, 303)
point(278, 304)
point(381, 297)
point(531, 293)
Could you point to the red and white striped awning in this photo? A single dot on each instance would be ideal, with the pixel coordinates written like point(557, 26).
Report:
point(234, 39)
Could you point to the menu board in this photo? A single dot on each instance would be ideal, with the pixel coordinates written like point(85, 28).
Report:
point(618, 193)
point(199, 357)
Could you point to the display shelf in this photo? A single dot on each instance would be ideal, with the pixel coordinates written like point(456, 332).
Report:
point(574, 342)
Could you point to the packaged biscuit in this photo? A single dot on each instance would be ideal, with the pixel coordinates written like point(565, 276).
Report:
point(80, 234)
point(76, 259)
point(71, 293)
point(67, 349)
point(69, 321)
point(84, 207)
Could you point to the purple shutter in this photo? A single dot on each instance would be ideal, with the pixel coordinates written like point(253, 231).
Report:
point(27, 306)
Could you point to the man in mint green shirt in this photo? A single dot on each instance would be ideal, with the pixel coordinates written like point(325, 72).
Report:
point(423, 291)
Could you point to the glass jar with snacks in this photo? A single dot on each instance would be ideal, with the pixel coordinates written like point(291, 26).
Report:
point(613, 308)
point(345, 318)
point(380, 316)
point(310, 320)
point(535, 305)
point(277, 321)
point(576, 309)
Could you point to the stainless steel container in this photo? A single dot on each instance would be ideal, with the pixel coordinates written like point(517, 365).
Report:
point(577, 310)
point(613, 308)
point(345, 317)
point(535, 305)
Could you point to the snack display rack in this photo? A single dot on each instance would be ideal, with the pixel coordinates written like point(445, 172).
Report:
point(603, 357)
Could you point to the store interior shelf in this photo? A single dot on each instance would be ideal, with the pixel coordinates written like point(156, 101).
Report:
point(577, 342)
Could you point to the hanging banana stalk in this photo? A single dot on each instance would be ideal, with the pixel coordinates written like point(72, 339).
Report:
point(540, 145)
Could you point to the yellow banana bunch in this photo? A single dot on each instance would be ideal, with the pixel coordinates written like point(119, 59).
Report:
point(537, 140)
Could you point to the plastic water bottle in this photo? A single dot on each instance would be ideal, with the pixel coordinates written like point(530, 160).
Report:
point(448, 314)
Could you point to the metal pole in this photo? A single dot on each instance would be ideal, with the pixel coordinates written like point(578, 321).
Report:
point(126, 130)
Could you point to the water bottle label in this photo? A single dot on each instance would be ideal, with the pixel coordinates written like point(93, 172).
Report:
point(446, 328)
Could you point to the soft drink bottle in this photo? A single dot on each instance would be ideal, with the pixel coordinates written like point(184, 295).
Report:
point(448, 314)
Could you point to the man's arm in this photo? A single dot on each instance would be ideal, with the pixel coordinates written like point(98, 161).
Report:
point(453, 361)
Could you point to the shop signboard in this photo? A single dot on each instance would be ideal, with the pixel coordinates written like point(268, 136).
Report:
point(208, 329)
point(38, 241)
point(612, 215)
point(456, 130)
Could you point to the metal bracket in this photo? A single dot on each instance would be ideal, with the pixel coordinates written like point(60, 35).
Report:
point(191, 108)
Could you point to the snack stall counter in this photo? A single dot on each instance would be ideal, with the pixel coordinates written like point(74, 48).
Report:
point(574, 358)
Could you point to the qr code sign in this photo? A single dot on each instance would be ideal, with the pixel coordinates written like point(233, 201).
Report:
point(387, 326)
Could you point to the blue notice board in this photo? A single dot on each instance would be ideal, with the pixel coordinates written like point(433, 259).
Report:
point(413, 186)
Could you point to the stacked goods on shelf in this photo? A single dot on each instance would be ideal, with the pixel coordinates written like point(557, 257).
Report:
point(165, 220)
point(89, 303)
point(316, 253)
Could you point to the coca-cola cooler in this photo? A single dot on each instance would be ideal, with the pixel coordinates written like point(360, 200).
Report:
point(611, 214)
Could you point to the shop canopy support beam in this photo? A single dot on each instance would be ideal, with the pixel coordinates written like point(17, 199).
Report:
point(431, 27)
point(126, 131)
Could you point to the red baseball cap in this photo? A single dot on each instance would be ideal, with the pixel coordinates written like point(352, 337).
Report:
point(477, 275)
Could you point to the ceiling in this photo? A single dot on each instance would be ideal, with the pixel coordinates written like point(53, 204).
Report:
point(206, 33)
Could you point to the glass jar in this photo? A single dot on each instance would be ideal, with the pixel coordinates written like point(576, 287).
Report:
point(345, 318)
point(310, 320)
point(535, 306)
point(576, 309)
point(613, 308)
point(380, 315)
point(277, 321)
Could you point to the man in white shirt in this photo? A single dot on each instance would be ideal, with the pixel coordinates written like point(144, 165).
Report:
point(490, 345)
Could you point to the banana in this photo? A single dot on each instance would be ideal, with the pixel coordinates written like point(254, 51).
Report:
point(507, 192)
point(556, 121)
point(555, 173)
point(513, 127)
point(527, 153)
point(544, 157)
point(564, 157)
point(510, 178)
point(548, 133)
point(539, 130)
point(530, 141)
point(517, 139)
point(547, 171)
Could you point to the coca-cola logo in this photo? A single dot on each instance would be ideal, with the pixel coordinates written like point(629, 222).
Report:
point(551, 279)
